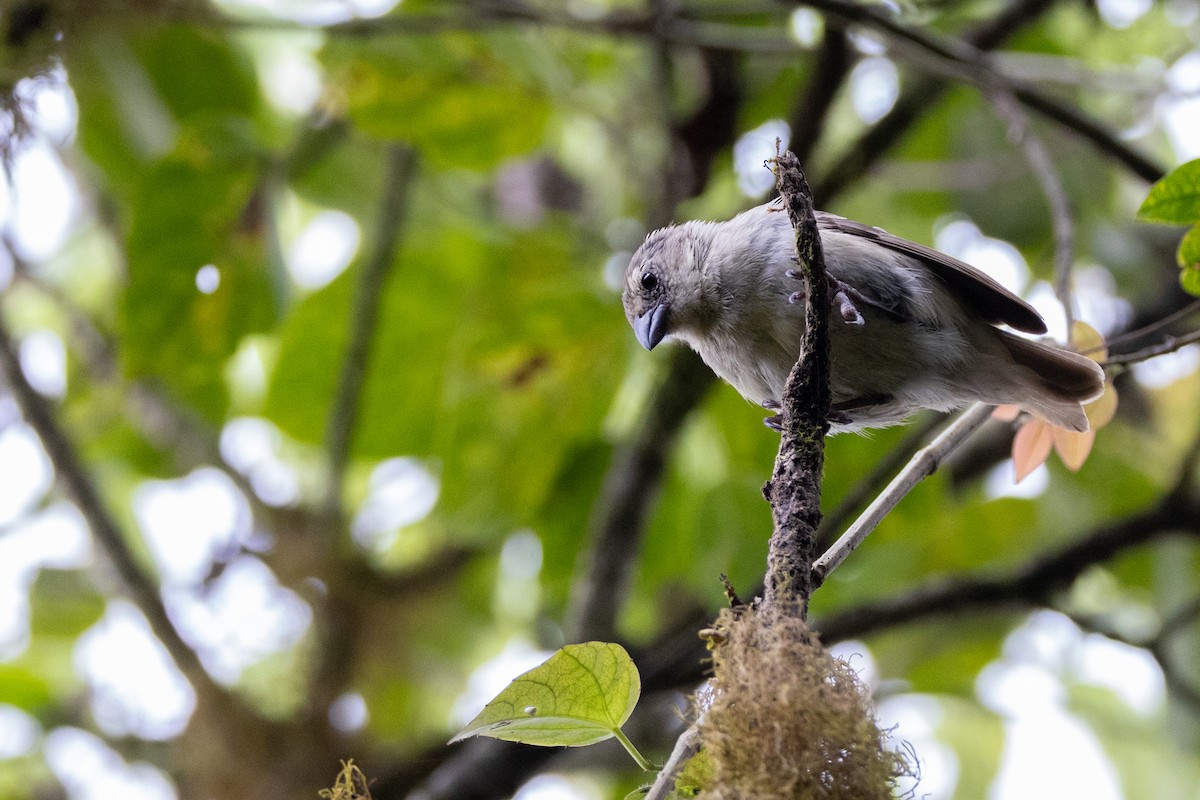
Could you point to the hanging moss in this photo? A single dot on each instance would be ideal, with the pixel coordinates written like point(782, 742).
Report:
point(785, 719)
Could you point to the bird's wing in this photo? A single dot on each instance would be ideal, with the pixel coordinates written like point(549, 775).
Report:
point(978, 290)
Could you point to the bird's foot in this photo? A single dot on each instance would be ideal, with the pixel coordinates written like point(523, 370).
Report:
point(774, 422)
point(842, 298)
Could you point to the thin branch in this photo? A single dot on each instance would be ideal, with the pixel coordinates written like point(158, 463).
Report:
point(1146, 330)
point(1034, 583)
point(1046, 174)
point(1168, 345)
point(364, 319)
point(923, 464)
point(340, 617)
point(138, 581)
point(877, 479)
point(686, 748)
point(915, 101)
point(794, 490)
point(965, 59)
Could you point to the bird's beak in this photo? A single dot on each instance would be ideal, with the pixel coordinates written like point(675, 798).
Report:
point(651, 327)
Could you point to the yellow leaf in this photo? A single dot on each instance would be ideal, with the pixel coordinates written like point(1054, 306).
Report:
point(1031, 446)
point(1073, 447)
point(1087, 341)
point(1101, 410)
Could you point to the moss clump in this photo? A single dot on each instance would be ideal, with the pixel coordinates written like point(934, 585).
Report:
point(785, 719)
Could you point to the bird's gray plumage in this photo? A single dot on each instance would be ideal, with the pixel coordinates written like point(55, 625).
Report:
point(927, 338)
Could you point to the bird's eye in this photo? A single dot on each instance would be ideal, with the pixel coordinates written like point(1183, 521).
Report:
point(649, 281)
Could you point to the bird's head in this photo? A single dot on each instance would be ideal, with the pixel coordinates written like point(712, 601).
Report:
point(664, 285)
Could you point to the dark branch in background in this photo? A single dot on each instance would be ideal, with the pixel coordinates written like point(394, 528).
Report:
point(629, 490)
point(916, 101)
point(338, 617)
point(1033, 584)
point(1041, 165)
point(807, 119)
point(1168, 345)
point(139, 583)
point(964, 59)
point(364, 319)
point(618, 518)
point(794, 490)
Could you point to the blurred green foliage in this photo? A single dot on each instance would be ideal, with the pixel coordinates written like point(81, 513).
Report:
point(502, 363)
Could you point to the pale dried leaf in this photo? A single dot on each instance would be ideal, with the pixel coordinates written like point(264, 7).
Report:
point(1073, 446)
point(1031, 446)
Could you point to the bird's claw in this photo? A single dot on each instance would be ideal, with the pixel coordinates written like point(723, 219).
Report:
point(843, 297)
point(774, 422)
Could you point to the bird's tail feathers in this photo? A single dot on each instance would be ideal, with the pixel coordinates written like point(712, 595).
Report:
point(1064, 382)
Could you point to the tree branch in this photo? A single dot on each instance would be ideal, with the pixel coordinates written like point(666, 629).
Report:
point(339, 620)
point(966, 58)
point(1041, 165)
point(915, 101)
point(138, 581)
point(630, 488)
point(1032, 584)
point(922, 465)
point(794, 490)
point(364, 319)
point(1168, 345)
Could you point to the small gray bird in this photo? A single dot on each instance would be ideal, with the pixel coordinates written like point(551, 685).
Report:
point(911, 328)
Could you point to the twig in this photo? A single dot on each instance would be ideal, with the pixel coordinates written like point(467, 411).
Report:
point(794, 490)
point(339, 617)
point(915, 101)
point(874, 482)
point(364, 319)
point(1046, 174)
point(686, 748)
point(1167, 345)
point(138, 581)
point(923, 464)
point(1146, 330)
point(968, 59)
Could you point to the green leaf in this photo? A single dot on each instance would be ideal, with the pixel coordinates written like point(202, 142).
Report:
point(696, 774)
point(1189, 261)
point(23, 688)
point(189, 215)
point(1175, 198)
point(580, 695)
point(452, 97)
point(1189, 279)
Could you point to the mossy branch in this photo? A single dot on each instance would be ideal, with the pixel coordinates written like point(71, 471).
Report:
point(794, 490)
